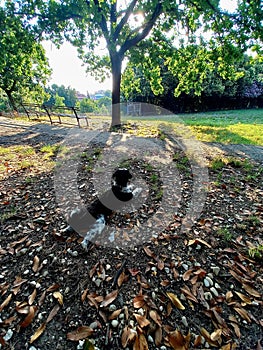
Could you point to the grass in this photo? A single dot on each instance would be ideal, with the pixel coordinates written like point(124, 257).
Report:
point(228, 127)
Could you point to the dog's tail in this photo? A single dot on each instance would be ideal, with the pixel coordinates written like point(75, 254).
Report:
point(95, 229)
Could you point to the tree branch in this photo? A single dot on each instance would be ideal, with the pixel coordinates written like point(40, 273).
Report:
point(147, 28)
point(124, 20)
point(102, 22)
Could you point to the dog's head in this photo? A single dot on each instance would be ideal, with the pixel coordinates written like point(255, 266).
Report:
point(121, 177)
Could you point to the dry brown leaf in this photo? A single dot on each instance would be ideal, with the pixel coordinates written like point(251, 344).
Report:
point(229, 296)
point(109, 298)
point(5, 302)
point(53, 313)
point(187, 274)
point(29, 318)
point(38, 333)
point(84, 295)
point(243, 313)
point(198, 341)
point(189, 294)
point(178, 341)
point(236, 329)
point(22, 240)
point(251, 291)
point(32, 297)
point(160, 264)
point(207, 337)
point(59, 297)
point(36, 262)
point(165, 283)
point(216, 335)
point(244, 298)
point(149, 252)
point(115, 314)
point(127, 337)
point(121, 279)
point(142, 321)
point(80, 333)
point(198, 240)
point(53, 287)
point(158, 336)
point(174, 299)
point(140, 343)
point(138, 301)
point(156, 317)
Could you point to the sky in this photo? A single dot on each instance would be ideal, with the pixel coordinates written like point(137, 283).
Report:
point(69, 71)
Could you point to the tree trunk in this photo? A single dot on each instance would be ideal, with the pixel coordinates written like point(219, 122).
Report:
point(116, 62)
point(11, 100)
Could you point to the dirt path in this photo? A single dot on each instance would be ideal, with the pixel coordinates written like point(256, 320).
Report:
point(16, 131)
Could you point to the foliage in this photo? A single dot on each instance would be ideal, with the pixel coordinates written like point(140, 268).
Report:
point(87, 105)
point(121, 27)
point(23, 66)
point(69, 95)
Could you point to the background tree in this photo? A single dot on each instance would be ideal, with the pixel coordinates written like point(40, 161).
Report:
point(24, 68)
point(122, 26)
point(69, 95)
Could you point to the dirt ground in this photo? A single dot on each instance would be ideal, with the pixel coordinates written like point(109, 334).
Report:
point(195, 287)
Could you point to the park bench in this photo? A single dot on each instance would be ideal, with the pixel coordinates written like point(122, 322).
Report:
point(56, 114)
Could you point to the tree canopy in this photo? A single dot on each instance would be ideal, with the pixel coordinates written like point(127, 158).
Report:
point(120, 26)
point(23, 65)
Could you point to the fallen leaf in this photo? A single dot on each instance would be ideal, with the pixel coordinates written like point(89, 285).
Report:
point(29, 318)
point(243, 313)
point(160, 264)
point(38, 333)
point(127, 337)
point(80, 333)
point(207, 337)
point(198, 240)
point(121, 279)
point(198, 341)
point(174, 299)
point(187, 274)
point(189, 294)
point(59, 297)
point(53, 287)
point(109, 298)
point(138, 301)
point(84, 294)
point(216, 335)
point(32, 297)
point(149, 252)
point(13, 244)
point(244, 298)
point(115, 314)
point(36, 262)
point(251, 291)
point(156, 317)
point(53, 313)
point(158, 336)
point(134, 271)
point(178, 341)
point(140, 343)
point(142, 321)
point(5, 302)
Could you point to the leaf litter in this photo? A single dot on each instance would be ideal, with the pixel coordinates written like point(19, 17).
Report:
point(197, 290)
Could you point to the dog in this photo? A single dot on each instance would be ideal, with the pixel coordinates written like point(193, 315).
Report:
point(91, 222)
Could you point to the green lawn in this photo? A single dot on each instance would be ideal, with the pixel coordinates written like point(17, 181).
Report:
point(237, 126)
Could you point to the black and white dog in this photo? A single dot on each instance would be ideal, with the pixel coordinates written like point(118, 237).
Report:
point(91, 221)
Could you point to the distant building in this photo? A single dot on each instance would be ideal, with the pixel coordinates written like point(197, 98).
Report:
point(80, 96)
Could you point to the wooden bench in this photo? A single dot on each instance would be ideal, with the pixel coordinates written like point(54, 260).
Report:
point(54, 113)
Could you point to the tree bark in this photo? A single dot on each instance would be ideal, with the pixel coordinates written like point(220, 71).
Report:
point(116, 63)
point(11, 100)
